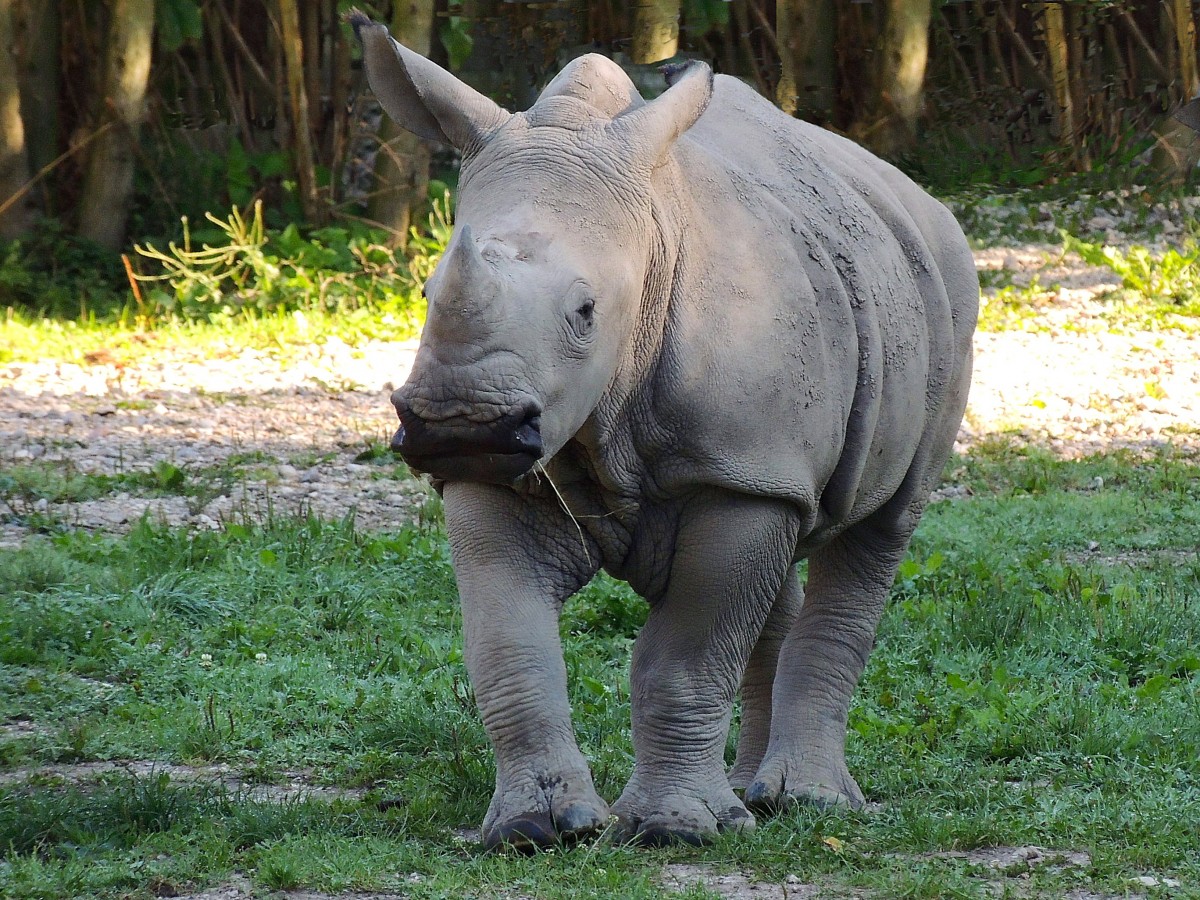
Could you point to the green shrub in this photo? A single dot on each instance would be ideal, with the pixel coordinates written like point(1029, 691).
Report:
point(60, 274)
point(1171, 278)
point(241, 267)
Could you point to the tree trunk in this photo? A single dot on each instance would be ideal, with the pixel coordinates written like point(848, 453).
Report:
point(39, 90)
point(300, 131)
point(108, 182)
point(1055, 34)
point(402, 167)
point(806, 32)
point(14, 160)
point(904, 51)
point(1185, 39)
point(1178, 149)
point(655, 30)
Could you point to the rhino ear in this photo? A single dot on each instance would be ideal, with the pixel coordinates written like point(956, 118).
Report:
point(655, 127)
point(420, 95)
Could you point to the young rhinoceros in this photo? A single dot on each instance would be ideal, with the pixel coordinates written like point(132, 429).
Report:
point(691, 341)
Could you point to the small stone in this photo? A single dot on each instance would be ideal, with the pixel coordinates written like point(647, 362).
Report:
point(1093, 546)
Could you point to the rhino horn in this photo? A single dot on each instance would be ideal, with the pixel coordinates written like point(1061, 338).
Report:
point(467, 286)
point(467, 269)
point(420, 95)
point(652, 129)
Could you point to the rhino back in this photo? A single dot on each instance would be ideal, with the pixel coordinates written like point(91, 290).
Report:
point(821, 309)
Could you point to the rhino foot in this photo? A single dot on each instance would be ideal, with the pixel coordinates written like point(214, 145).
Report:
point(741, 777)
point(778, 786)
point(679, 819)
point(549, 814)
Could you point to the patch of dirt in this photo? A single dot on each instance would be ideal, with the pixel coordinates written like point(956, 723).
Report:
point(1050, 267)
point(678, 877)
point(295, 423)
point(18, 729)
point(293, 427)
point(1132, 558)
point(237, 889)
point(295, 784)
point(1015, 860)
point(1083, 393)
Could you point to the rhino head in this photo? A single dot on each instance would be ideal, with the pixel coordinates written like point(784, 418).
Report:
point(538, 295)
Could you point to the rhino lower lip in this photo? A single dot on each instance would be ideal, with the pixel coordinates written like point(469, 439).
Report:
point(470, 463)
point(490, 468)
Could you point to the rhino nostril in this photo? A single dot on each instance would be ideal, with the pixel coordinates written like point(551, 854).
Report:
point(528, 435)
point(397, 444)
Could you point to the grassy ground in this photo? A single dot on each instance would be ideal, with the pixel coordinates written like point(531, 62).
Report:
point(1035, 683)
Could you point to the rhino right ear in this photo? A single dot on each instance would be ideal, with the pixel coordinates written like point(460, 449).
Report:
point(652, 129)
point(420, 95)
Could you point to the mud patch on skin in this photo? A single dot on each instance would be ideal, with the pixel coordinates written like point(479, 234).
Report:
point(297, 784)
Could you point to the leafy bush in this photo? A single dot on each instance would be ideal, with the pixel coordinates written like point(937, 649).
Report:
point(242, 267)
point(57, 273)
point(1171, 278)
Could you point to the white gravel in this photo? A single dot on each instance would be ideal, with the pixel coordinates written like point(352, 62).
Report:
point(1066, 381)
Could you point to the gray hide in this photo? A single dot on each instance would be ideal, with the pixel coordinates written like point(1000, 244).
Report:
point(691, 341)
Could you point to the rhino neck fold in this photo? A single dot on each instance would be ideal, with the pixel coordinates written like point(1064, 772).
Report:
point(624, 427)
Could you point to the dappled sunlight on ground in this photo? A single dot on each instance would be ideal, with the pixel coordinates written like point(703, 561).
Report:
point(246, 433)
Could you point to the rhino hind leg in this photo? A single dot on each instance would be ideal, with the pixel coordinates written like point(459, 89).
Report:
point(732, 556)
point(758, 682)
point(819, 666)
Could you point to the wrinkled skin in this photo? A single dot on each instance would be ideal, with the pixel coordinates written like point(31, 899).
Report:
point(691, 341)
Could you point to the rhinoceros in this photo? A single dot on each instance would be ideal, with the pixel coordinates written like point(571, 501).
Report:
point(692, 341)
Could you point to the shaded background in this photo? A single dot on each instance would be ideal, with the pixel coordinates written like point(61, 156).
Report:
point(119, 118)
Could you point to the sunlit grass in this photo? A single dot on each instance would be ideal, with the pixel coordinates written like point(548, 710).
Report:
point(125, 338)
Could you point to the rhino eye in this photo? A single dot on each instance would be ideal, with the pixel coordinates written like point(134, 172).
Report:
point(583, 317)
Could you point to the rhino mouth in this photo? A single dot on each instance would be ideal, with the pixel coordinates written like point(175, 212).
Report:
point(498, 452)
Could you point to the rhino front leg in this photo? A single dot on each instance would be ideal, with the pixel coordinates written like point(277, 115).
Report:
point(819, 666)
point(731, 556)
point(758, 682)
point(513, 575)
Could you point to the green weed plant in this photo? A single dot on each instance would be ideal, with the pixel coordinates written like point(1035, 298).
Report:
point(240, 266)
point(1169, 280)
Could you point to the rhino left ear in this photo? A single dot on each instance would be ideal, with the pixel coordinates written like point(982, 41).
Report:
point(654, 128)
point(420, 95)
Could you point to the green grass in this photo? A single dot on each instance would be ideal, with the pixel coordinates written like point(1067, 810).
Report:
point(1024, 691)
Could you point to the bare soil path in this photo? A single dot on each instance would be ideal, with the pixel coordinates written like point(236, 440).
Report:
point(255, 432)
